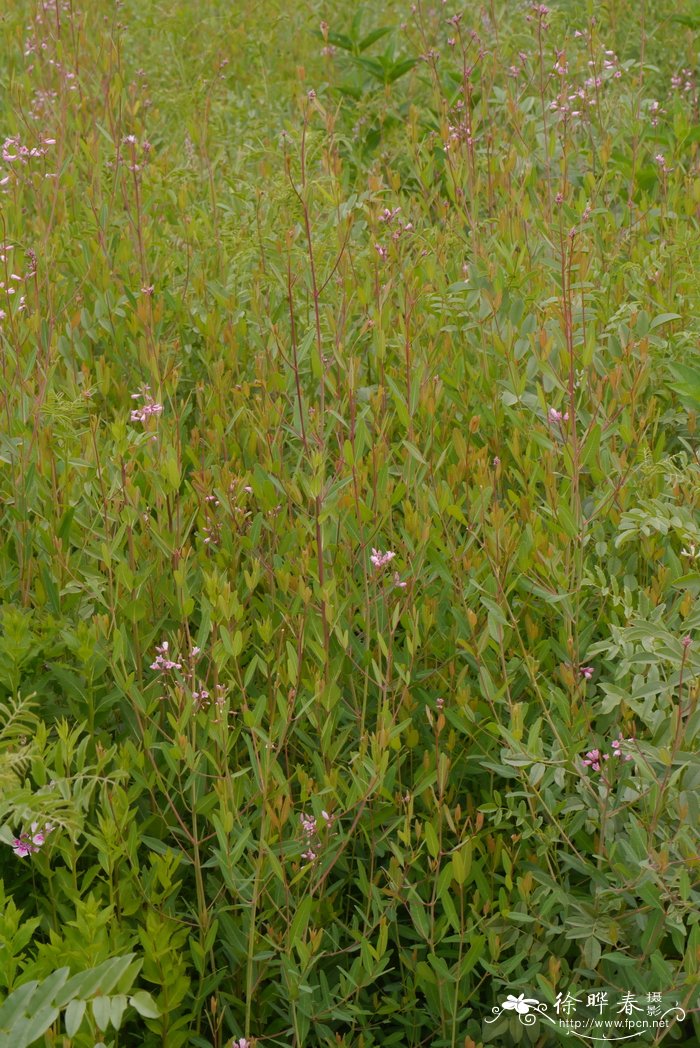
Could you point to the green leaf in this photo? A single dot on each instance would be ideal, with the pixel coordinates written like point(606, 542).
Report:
point(15, 1004)
point(691, 582)
point(431, 839)
point(339, 40)
point(591, 952)
point(664, 318)
point(144, 1005)
point(536, 773)
point(372, 37)
point(101, 979)
point(472, 955)
point(300, 921)
point(400, 69)
point(102, 1010)
point(687, 381)
point(36, 1025)
point(420, 917)
point(74, 1016)
point(119, 1004)
point(686, 20)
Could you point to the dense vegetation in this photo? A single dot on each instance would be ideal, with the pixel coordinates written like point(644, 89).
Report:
point(349, 662)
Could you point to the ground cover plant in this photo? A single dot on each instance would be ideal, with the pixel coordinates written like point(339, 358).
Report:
point(349, 647)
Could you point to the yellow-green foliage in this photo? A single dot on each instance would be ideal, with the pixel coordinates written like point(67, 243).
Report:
point(349, 481)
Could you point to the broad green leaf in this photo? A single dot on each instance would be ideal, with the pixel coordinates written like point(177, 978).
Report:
point(74, 1016)
point(144, 1005)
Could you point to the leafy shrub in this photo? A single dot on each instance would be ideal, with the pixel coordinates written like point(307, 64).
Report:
point(348, 573)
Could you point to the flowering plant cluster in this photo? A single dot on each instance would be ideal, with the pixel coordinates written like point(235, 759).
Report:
point(148, 409)
point(556, 416)
point(188, 680)
point(453, 315)
point(379, 559)
point(162, 662)
point(309, 829)
point(595, 759)
point(30, 841)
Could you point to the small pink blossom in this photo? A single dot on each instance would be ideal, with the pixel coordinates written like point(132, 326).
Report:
point(308, 824)
point(29, 842)
point(556, 416)
point(617, 747)
point(163, 662)
point(593, 759)
point(147, 409)
point(587, 672)
point(200, 697)
point(379, 559)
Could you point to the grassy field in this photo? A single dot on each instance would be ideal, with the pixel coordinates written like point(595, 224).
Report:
point(350, 544)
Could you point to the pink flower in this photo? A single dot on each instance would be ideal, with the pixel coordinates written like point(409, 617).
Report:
point(308, 824)
point(143, 413)
point(163, 662)
point(687, 641)
point(200, 698)
point(397, 581)
point(593, 759)
point(440, 703)
point(556, 416)
point(28, 843)
point(617, 747)
point(148, 408)
point(587, 672)
point(380, 559)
